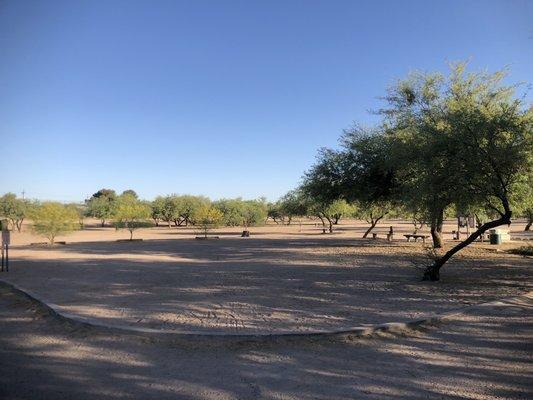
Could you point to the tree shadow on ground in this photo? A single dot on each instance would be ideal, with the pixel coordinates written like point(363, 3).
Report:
point(260, 285)
point(486, 352)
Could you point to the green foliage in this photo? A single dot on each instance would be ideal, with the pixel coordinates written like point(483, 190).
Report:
point(275, 212)
point(131, 213)
point(177, 209)
point(51, 219)
point(108, 193)
point(188, 206)
point(232, 211)
point(463, 140)
point(81, 212)
point(157, 209)
point(294, 204)
point(340, 208)
point(238, 212)
point(101, 205)
point(14, 210)
point(130, 192)
point(254, 212)
point(207, 217)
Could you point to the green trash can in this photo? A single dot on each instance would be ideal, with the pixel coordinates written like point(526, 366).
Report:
point(495, 238)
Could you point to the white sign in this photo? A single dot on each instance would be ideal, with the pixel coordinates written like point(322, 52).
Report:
point(6, 238)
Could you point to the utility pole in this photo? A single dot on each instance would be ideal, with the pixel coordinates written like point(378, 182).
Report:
point(23, 193)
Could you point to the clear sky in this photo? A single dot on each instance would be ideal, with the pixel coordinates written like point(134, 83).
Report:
point(221, 98)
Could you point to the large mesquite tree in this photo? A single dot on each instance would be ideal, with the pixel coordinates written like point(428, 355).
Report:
point(491, 134)
point(464, 140)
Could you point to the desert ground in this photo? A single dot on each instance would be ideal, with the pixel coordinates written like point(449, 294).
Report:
point(283, 279)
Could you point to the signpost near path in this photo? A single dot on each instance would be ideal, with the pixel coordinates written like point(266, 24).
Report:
point(6, 240)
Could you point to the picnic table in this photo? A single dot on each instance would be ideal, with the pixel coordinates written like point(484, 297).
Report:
point(416, 237)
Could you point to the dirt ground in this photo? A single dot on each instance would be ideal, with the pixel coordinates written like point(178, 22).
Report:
point(282, 279)
point(484, 354)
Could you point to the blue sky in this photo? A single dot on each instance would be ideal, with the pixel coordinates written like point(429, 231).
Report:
point(221, 98)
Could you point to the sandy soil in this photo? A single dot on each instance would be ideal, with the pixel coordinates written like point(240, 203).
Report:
point(283, 278)
point(484, 354)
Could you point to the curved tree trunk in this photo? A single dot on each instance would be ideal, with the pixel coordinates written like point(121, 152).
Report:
point(432, 272)
point(436, 229)
point(373, 223)
point(103, 222)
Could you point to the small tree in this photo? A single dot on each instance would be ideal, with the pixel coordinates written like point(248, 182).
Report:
point(253, 212)
point(51, 219)
point(293, 204)
point(157, 209)
point(340, 209)
point(188, 206)
point(275, 212)
point(81, 212)
point(372, 213)
point(13, 209)
point(131, 213)
point(100, 205)
point(232, 211)
point(207, 217)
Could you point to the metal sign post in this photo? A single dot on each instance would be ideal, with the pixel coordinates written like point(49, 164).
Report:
point(6, 240)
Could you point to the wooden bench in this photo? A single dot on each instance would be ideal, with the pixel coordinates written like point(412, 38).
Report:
point(416, 237)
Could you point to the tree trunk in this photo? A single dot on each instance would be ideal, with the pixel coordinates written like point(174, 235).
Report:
point(529, 221)
point(103, 223)
point(436, 229)
point(131, 234)
point(373, 223)
point(323, 223)
point(432, 272)
point(330, 224)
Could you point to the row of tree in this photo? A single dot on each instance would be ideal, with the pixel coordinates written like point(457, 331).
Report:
point(127, 211)
point(462, 142)
point(180, 210)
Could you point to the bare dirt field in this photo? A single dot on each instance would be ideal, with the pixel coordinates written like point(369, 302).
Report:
point(485, 354)
point(282, 279)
